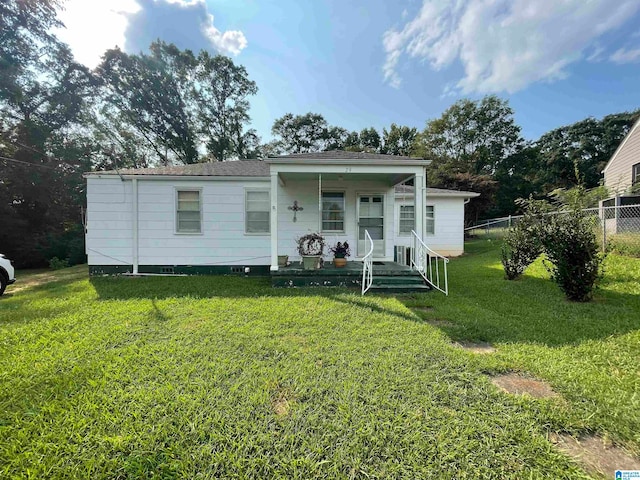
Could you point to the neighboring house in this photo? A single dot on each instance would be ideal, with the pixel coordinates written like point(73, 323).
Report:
point(223, 217)
point(622, 172)
point(622, 179)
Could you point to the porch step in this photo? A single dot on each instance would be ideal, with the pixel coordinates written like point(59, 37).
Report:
point(395, 284)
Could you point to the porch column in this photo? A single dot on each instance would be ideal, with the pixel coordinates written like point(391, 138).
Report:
point(274, 221)
point(419, 201)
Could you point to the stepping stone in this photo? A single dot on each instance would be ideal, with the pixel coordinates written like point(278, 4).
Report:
point(438, 322)
point(596, 457)
point(479, 347)
point(424, 309)
point(519, 384)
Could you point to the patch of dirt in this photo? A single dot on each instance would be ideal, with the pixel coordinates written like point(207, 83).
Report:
point(519, 384)
point(281, 403)
point(423, 309)
point(482, 348)
point(26, 279)
point(594, 455)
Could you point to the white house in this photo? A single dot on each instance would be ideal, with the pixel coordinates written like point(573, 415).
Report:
point(622, 179)
point(238, 216)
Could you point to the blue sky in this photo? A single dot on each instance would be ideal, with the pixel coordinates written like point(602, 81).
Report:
point(370, 63)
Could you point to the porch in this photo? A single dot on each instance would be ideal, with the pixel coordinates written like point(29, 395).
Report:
point(389, 277)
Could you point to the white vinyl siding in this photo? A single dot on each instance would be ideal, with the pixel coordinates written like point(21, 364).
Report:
point(430, 220)
point(188, 211)
point(407, 219)
point(333, 211)
point(257, 216)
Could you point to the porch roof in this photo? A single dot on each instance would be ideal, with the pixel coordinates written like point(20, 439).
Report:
point(341, 157)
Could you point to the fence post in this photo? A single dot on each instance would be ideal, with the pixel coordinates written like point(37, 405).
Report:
point(509, 221)
point(603, 219)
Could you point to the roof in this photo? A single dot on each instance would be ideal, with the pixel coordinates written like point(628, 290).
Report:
point(239, 168)
point(635, 127)
point(342, 155)
point(436, 192)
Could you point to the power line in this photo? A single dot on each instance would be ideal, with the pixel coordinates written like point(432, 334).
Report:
point(26, 163)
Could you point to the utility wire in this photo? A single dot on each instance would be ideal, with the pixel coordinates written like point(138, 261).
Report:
point(7, 159)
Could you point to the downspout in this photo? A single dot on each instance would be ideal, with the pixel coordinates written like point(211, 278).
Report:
point(135, 225)
point(319, 202)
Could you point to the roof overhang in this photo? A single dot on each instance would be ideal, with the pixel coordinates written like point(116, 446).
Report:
point(218, 178)
point(415, 162)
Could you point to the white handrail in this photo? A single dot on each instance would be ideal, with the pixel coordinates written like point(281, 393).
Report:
point(367, 268)
point(425, 261)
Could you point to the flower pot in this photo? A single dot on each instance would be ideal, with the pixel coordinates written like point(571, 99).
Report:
point(282, 260)
point(339, 262)
point(311, 262)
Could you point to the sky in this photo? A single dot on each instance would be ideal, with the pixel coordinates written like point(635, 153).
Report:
point(363, 63)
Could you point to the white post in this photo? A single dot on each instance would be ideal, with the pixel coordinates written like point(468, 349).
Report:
point(319, 202)
point(419, 201)
point(134, 255)
point(274, 221)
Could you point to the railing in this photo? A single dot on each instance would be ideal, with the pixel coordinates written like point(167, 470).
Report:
point(367, 268)
point(431, 265)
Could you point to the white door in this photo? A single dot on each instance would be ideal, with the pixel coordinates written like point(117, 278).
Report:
point(371, 219)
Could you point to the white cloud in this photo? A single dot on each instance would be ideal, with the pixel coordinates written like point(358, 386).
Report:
point(502, 45)
point(624, 55)
point(94, 26)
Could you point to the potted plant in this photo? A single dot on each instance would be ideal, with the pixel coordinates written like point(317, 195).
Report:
point(311, 248)
point(340, 253)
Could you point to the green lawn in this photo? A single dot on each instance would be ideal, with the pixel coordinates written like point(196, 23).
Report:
point(222, 377)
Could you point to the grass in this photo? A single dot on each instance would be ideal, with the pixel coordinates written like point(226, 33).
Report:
point(222, 377)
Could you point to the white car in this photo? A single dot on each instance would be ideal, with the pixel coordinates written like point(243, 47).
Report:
point(7, 274)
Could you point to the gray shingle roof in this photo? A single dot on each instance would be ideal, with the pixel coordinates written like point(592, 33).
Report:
point(440, 192)
point(342, 154)
point(239, 168)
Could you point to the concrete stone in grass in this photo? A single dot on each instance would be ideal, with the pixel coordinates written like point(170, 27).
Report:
point(520, 384)
point(594, 455)
point(482, 348)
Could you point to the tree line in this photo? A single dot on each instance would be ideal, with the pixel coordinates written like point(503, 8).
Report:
point(166, 106)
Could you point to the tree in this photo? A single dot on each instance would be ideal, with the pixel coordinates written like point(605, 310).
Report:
point(221, 94)
point(42, 97)
point(150, 99)
point(370, 140)
point(300, 133)
point(472, 136)
point(398, 140)
point(586, 145)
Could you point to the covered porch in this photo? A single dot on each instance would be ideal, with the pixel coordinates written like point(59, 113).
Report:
point(342, 199)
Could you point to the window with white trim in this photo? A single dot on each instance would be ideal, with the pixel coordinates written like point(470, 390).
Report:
point(257, 211)
point(430, 220)
point(333, 211)
point(635, 174)
point(407, 219)
point(188, 211)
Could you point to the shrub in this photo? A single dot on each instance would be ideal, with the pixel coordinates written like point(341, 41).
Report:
point(574, 261)
point(56, 264)
point(523, 243)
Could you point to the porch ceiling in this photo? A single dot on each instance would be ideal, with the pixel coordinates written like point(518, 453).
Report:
point(390, 179)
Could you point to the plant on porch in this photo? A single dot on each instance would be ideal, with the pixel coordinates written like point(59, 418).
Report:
point(340, 253)
point(311, 247)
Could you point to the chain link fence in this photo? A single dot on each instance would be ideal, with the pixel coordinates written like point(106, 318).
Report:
point(617, 228)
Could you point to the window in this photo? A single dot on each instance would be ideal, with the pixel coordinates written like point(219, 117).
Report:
point(430, 220)
point(333, 211)
point(257, 211)
point(635, 174)
point(407, 219)
point(188, 211)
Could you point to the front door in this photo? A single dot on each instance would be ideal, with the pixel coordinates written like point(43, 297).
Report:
point(371, 218)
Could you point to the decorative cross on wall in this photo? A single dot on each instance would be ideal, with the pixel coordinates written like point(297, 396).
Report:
point(295, 208)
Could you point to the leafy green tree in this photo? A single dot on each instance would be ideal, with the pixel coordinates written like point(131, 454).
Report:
point(150, 99)
point(399, 140)
point(42, 96)
point(220, 95)
point(299, 133)
point(586, 145)
point(472, 136)
point(370, 140)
